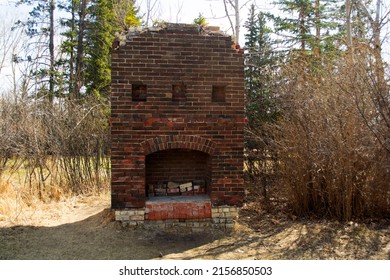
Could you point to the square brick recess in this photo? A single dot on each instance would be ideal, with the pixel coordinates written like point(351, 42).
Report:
point(177, 115)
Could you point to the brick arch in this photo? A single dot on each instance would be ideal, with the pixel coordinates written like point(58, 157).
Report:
point(192, 142)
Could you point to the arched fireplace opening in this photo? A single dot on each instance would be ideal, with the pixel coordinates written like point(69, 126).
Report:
point(177, 172)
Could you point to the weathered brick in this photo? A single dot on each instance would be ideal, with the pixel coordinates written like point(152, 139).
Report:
point(147, 135)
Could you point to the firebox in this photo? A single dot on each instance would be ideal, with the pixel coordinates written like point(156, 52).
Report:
point(177, 124)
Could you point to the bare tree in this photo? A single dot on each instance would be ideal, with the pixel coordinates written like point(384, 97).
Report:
point(379, 123)
point(15, 69)
point(179, 10)
point(151, 8)
point(176, 10)
point(16, 59)
point(234, 17)
point(376, 23)
point(5, 38)
point(235, 27)
point(8, 41)
point(348, 13)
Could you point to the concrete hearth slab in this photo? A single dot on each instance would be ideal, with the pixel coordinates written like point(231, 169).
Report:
point(177, 199)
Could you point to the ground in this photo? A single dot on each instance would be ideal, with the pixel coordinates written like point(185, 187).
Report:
point(82, 228)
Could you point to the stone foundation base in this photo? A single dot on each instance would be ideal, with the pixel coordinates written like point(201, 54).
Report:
point(224, 215)
point(221, 217)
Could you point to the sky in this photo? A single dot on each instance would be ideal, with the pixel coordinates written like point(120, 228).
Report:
point(183, 11)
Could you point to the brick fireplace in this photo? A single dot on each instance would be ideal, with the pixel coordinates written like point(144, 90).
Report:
point(177, 123)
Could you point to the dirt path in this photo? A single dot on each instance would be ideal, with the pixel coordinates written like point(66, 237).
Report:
point(82, 228)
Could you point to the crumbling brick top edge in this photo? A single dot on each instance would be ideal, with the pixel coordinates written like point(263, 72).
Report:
point(176, 28)
point(167, 28)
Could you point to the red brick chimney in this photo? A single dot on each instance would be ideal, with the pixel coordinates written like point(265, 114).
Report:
point(177, 124)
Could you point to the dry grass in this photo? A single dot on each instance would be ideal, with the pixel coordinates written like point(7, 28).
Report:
point(22, 195)
point(13, 201)
point(18, 207)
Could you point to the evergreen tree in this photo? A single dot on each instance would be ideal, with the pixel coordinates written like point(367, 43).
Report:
point(68, 46)
point(100, 33)
point(73, 45)
point(89, 29)
point(311, 25)
point(297, 27)
point(261, 110)
point(259, 63)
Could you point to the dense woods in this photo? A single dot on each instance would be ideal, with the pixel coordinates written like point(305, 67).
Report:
point(317, 92)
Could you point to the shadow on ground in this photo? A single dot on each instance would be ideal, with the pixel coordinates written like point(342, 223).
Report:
point(96, 237)
point(255, 236)
point(278, 237)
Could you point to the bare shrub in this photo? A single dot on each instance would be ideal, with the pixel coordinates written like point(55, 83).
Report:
point(331, 163)
point(60, 149)
point(81, 146)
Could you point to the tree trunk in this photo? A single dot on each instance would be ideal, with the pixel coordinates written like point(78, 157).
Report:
point(302, 29)
point(150, 7)
point(379, 65)
point(236, 26)
point(71, 54)
point(348, 27)
point(237, 16)
point(78, 79)
point(317, 48)
point(51, 50)
point(377, 47)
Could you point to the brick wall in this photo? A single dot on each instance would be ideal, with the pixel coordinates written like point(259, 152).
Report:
point(177, 89)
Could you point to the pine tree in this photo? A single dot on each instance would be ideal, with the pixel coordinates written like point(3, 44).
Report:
point(261, 110)
point(73, 45)
point(298, 26)
point(311, 25)
point(89, 31)
point(259, 62)
point(69, 43)
point(100, 34)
